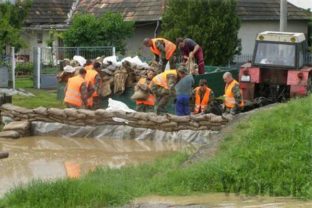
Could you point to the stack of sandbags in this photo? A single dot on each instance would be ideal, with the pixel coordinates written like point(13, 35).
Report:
point(101, 117)
point(16, 129)
point(116, 75)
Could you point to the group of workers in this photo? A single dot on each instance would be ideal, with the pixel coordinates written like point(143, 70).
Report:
point(83, 90)
point(179, 84)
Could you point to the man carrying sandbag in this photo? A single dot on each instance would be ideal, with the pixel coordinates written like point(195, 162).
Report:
point(94, 83)
point(162, 86)
point(76, 93)
point(145, 100)
point(190, 49)
point(163, 50)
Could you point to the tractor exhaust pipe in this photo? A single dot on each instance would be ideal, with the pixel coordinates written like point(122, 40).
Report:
point(283, 16)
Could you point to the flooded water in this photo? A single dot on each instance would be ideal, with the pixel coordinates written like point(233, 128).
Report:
point(219, 200)
point(49, 158)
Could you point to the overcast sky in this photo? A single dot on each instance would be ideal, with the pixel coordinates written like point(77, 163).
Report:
point(306, 4)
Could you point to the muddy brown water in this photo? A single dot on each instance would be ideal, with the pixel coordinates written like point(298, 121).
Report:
point(49, 157)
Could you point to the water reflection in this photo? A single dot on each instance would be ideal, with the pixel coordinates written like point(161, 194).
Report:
point(50, 157)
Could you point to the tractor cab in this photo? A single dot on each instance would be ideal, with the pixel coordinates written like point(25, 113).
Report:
point(278, 70)
point(280, 50)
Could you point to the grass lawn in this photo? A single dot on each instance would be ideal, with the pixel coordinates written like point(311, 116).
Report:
point(270, 154)
point(44, 98)
point(24, 82)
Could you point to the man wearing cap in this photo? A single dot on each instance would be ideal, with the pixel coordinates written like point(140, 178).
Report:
point(146, 105)
point(163, 50)
point(68, 72)
point(233, 99)
point(183, 91)
point(76, 93)
point(162, 86)
point(190, 49)
point(203, 98)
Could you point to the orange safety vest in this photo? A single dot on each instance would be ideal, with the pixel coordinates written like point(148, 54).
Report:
point(88, 67)
point(229, 100)
point(73, 95)
point(150, 101)
point(169, 47)
point(161, 79)
point(90, 80)
point(201, 104)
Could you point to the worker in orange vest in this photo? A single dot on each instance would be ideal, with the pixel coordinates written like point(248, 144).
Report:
point(162, 86)
point(144, 84)
point(94, 83)
point(163, 50)
point(233, 99)
point(203, 97)
point(76, 92)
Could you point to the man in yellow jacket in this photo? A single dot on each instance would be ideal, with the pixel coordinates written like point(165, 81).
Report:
point(233, 99)
point(163, 50)
point(76, 92)
point(162, 86)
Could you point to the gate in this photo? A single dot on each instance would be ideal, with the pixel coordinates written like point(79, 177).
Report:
point(47, 62)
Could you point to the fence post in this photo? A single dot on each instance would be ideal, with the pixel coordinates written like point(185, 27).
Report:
point(13, 66)
point(114, 51)
point(38, 66)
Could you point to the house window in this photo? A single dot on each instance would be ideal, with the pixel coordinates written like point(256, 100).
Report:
point(39, 37)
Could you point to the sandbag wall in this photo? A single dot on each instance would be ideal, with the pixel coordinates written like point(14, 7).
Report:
point(82, 117)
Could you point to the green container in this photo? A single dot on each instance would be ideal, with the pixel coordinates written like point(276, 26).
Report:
point(215, 78)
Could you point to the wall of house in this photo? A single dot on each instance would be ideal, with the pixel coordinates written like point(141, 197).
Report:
point(31, 38)
point(135, 43)
point(249, 30)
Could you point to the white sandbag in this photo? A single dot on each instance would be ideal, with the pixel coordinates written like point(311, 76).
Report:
point(110, 60)
point(81, 60)
point(69, 69)
point(137, 61)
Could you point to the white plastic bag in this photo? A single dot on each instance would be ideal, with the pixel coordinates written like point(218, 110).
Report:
point(114, 105)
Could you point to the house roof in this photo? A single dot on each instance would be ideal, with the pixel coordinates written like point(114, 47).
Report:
point(268, 10)
point(57, 12)
point(136, 10)
point(49, 12)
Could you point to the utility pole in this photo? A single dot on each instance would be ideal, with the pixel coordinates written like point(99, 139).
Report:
point(283, 16)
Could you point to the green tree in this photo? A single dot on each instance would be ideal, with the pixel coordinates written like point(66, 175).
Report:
point(11, 20)
point(107, 30)
point(213, 24)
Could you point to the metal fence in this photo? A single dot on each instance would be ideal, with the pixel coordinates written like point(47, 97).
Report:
point(47, 61)
point(7, 69)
